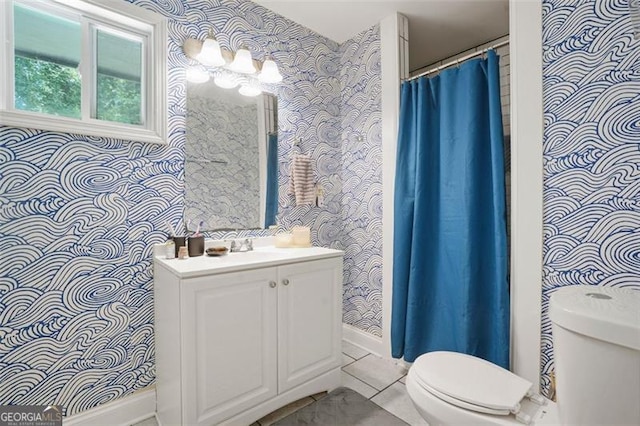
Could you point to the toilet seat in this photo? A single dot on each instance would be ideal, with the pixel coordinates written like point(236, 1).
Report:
point(462, 404)
point(473, 384)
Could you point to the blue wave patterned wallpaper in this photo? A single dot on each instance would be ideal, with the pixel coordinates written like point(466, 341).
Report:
point(77, 219)
point(360, 81)
point(591, 83)
point(78, 215)
point(222, 168)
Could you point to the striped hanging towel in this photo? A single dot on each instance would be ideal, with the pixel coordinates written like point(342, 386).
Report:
point(301, 182)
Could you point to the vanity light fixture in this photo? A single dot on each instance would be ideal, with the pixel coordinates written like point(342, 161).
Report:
point(210, 54)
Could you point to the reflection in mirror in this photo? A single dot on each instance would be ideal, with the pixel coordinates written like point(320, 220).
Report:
point(231, 167)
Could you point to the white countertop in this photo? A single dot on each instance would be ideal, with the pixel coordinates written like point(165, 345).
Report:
point(259, 257)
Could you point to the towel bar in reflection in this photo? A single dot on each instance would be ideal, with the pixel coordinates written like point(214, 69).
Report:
point(204, 160)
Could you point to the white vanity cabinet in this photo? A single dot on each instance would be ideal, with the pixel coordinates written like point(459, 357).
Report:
point(236, 340)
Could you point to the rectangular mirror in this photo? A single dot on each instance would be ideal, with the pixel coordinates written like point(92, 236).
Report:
point(231, 167)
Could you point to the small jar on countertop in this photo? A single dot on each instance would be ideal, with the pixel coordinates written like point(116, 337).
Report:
point(183, 253)
point(170, 249)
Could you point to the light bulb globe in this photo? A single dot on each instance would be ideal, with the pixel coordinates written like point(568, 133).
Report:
point(225, 82)
point(270, 72)
point(243, 62)
point(197, 75)
point(249, 91)
point(211, 53)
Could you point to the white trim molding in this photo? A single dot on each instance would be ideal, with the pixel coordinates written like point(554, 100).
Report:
point(122, 412)
point(368, 342)
point(525, 25)
point(394, 47)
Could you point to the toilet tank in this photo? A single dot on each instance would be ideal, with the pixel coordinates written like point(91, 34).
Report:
point(596, 345)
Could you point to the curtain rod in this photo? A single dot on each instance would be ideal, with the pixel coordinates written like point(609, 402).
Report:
point(457, 61)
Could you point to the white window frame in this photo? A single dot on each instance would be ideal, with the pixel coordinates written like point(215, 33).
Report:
point(116, 17)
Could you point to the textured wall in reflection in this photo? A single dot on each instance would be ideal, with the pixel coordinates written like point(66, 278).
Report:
point(222, 167)
point(360, 82)
point(591, 151)
point(78, 216)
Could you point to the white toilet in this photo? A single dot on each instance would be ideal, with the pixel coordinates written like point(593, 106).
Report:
point(596, 338)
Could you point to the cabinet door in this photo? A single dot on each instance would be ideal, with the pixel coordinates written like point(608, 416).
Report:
point(309, 320)
point(229, 343)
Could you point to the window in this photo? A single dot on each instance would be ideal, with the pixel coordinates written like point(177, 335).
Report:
point(96, 68)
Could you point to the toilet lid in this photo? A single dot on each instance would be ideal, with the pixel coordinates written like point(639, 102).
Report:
point(470, 382)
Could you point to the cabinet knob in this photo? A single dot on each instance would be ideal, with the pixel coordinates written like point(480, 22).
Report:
point(272, 284)
point(285, 281)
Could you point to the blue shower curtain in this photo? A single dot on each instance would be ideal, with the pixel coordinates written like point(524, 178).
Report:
point(271, 207)
point(450, 282)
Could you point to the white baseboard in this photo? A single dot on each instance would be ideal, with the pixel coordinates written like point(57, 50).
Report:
point(364, 340)
point(122, 412)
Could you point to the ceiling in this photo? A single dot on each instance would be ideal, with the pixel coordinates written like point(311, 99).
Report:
point(438, 29)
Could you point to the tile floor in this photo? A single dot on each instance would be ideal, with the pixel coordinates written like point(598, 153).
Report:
point(380, 380)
